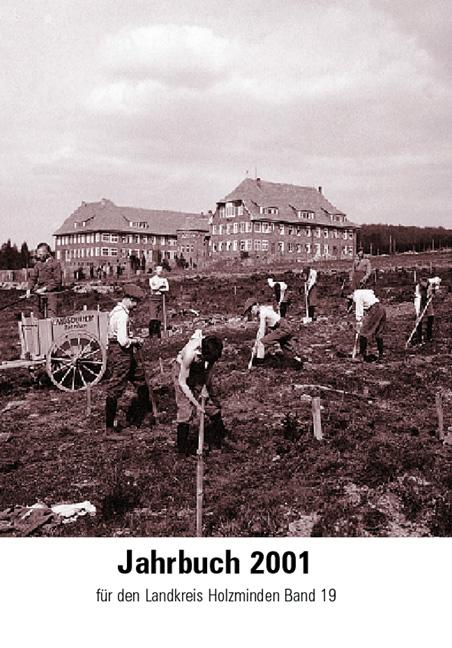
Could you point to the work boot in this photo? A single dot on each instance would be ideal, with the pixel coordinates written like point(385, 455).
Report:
point(182, 438)
point(380, 347)
point(217, 431)
point(111, 406)
point(311, 312)
point(362, 346)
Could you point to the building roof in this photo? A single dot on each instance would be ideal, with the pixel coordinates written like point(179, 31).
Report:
point(288, 198)
point(105, 216)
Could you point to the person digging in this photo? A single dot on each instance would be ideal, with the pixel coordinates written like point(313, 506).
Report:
point(370, 322)
point(423, 305)
point(281, 295)
point(193, 369)
point(122, 365)
point(273, 329)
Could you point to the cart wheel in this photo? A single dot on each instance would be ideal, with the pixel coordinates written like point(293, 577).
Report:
point(76, 361)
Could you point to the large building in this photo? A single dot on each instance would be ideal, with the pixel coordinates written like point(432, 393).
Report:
point(273, 220)
point(101, 233)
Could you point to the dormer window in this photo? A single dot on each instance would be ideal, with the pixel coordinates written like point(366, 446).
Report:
point(139, 224)
point(304, 213)
point(270, 210)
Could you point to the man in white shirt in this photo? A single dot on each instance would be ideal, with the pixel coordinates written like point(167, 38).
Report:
point(311, 292)
point(423, 306)
point(159, 287)
point(280, 288)
point(193, 370)
point(122, 365)
point(371, 320)
point(272, 329)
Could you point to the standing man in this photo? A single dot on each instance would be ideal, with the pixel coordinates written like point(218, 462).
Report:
point(281, 295)
point(122, 365)
point(311, 292)
point(370, 321)
point(272, 329)
point(193, 369)
point(159, 288)
point(360, 271)
point(46, 280)
point(423, 306)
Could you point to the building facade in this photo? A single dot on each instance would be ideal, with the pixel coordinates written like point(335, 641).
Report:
point(272, 220)
point(104, 234)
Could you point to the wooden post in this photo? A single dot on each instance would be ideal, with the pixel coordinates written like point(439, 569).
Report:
point(439, 413)
point(200, 468)
point(316, 418)
point(235, 291)
point(88, 401)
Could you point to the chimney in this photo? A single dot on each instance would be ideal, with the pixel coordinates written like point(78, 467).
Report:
point(320, 189)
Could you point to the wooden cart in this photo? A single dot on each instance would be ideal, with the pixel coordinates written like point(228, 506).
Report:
point(73, 348)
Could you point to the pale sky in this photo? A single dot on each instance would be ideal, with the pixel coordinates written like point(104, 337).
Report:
point(167, 105)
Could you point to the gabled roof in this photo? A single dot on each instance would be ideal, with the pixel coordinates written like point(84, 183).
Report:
point(288, 198)
point(105, 216)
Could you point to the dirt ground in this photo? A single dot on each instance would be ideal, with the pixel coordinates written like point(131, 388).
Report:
point(380, 469)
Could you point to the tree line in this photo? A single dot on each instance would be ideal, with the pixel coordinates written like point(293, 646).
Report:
point(390, 239)
point(11, 258)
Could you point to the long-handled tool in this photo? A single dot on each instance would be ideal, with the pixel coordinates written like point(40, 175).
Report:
point(418, 321)
point(356, 344)
point(253, 355)
point(307, 319)
point(16, 301)
point(200, 466)
point(165, 325)
point(139, 357)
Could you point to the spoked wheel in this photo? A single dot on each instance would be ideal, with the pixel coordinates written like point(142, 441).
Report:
point(76, 361)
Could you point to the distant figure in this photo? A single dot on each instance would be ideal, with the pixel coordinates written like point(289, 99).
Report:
point(360, 271)
point(423, 306)
point(46, 278)
point(159, 286)
point(311, 292)
point(281, 294)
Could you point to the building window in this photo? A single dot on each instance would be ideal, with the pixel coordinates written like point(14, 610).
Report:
point(281, 229)
point(257, 227)
point(266, 228)
point(257, 245)
point(114, 238)
point(281, 246)
point(242, 228)
point(235, 228)
point(248, 227)
point(318, 232)
point(228, 246)
point(106, 237)
point(104, 251)
point(308, 248)
point(220, 246)
point(214, 229)
point(221, 212)
point(265, 245)
point(113, 251)
point(290, 247)
point(270, 210)
point(220, 229)
point(325, 232)
point(308, 231)
point(248, 245)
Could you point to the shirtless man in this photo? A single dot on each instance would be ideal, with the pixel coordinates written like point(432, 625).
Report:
point(193, 370)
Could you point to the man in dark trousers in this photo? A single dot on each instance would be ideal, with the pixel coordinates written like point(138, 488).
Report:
point(370, 321)
point(159, 289)
point(281, 294)
point(193, 369)
point(122, 364)
point(46, 280)
point(360, 271)
point(423, 306)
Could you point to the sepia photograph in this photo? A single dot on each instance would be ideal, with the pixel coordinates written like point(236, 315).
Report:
point(225, 269)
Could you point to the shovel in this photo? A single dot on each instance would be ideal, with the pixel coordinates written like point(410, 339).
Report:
point(307, 319)
point(164, 333)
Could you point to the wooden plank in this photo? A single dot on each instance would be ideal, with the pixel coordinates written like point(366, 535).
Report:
point(316, 418)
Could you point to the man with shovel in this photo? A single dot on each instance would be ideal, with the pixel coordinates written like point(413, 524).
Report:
point(272, 329)
point(310, 295)
point(159, 289)
point(423, 306)
point(281, 294)
point(370, 322)
point(193, 370)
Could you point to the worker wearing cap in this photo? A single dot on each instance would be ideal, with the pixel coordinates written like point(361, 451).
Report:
point(193, 370)
point(122, 364)
point(272, 329)
point(371, 320)
point(423, 306)
point(281, 294)
point(360, 271)
point(46, 280)
point(159, 287)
